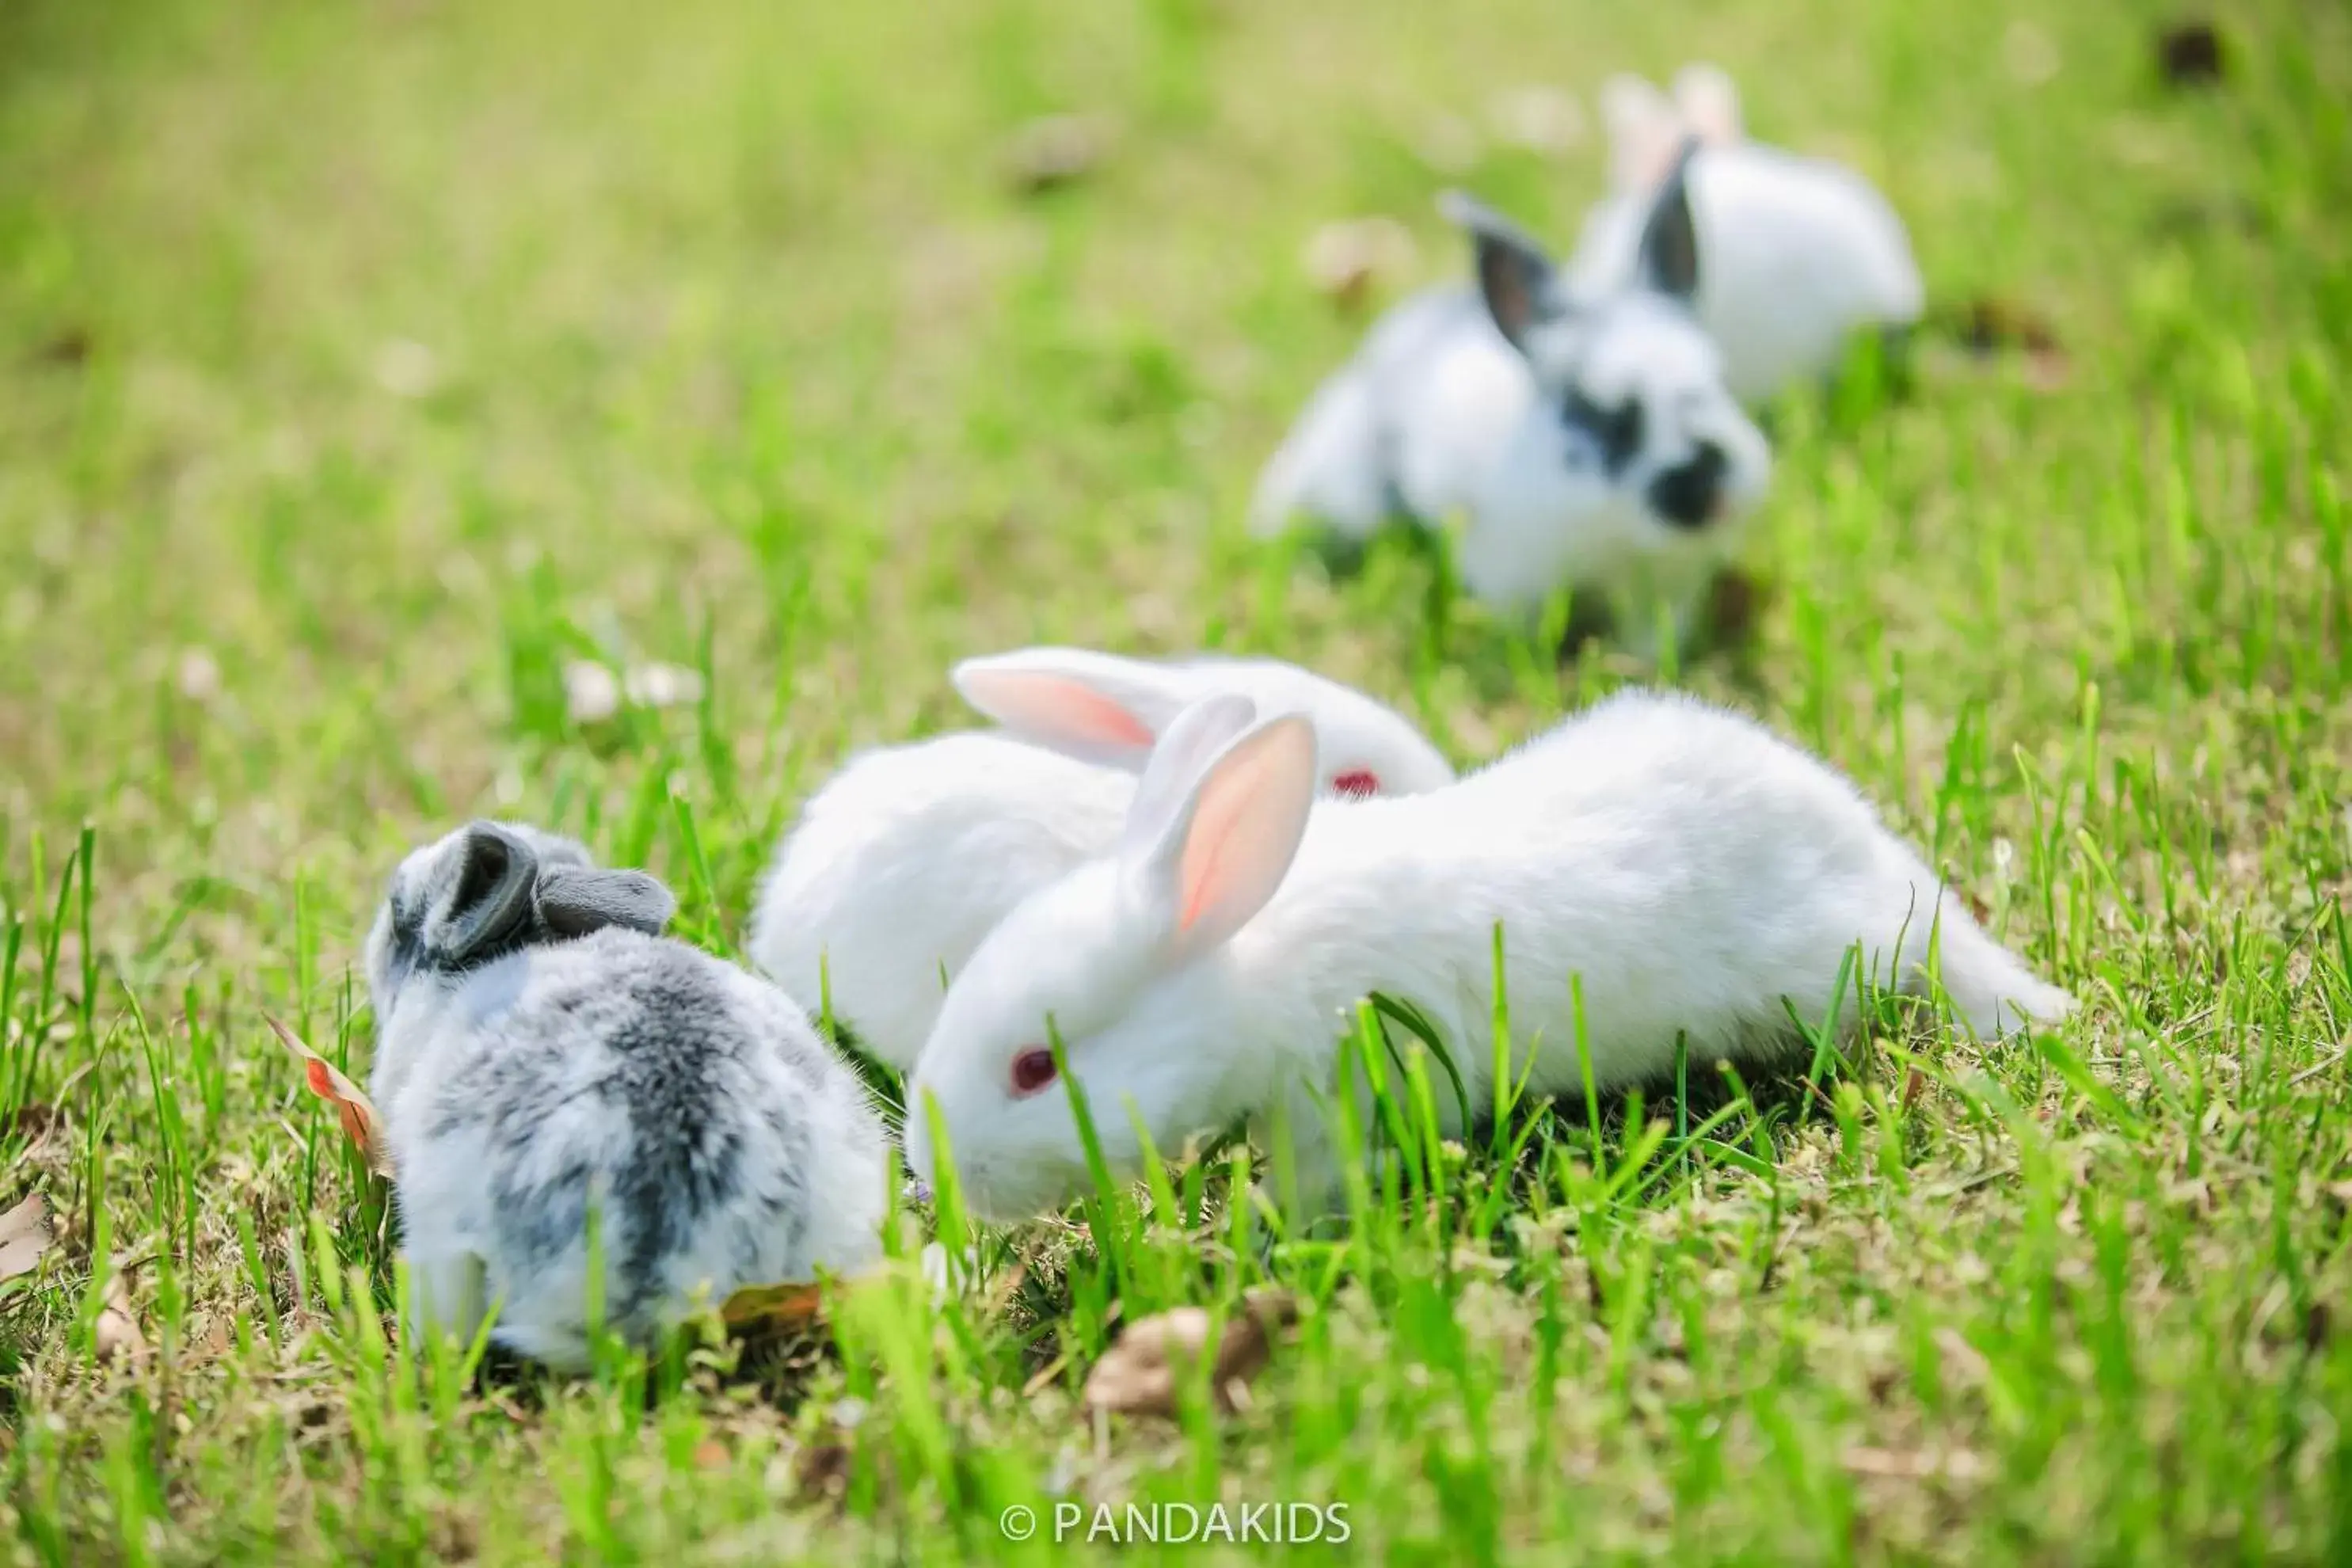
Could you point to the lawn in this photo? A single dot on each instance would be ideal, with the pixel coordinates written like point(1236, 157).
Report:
point(368, 364)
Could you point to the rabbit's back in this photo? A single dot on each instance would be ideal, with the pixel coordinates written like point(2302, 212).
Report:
point(1405, 427)
point(906, 860)
point(685, 1105)
point(1686, 864)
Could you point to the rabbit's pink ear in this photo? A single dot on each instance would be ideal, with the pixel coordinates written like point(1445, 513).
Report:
point(1092, 706)
point(1709, 104)
point(1643, 126)
point(1232, 836)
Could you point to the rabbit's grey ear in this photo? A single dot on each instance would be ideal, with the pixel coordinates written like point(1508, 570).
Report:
point(576, 899)
point(1515, 277)
point(1670, 237)
point(489, 901)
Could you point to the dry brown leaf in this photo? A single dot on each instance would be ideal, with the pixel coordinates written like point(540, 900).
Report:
point(1140, 1373)
point(710, 1454)
point(822, 1468)
point(117, 1331)
point(362, 1125)
point(2189, 55)
point(25, 1236)
point(1056, 150)
point(762, 1311)
point(68, 345)
point(1990, 323)
point(1347, 259)
point(1736, 602)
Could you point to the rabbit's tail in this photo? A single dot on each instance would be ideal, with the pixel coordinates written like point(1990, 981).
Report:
point(1330, 467)
point(1990, 991)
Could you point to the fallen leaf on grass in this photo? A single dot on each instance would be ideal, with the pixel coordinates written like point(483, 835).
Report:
point(362, 1125)
point(773, 1310)
point(68, 346)
point(2189, 55)
point(1054, 151)
point(1346, 259)
point(1140, 1373)
point(25, 1236)
point(821, 1470)
point(1989, 324)
point(1736, 602)
point(116, 1333)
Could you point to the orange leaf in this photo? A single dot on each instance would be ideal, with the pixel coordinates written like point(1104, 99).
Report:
point(358, 1114)
point(773, 1310)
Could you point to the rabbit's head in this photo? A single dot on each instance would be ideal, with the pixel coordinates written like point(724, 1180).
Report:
point(1109, 961)
point(1634, 383)
point(1110, 711)
point(494, 888)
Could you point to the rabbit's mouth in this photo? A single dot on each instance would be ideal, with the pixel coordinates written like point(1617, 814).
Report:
point(1693, 494)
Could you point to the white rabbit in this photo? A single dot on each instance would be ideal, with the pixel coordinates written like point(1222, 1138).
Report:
point(540, 1050)
point(905, 859)
point(1586, 440)
point(1800, 252)
point(1699, 875)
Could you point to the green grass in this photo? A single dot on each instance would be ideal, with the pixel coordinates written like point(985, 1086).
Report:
point(745, 357)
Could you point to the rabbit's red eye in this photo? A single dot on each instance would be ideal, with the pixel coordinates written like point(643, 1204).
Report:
point(1357, 784)
point(1032, 1070)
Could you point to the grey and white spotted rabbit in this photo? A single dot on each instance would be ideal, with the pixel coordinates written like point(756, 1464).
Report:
point(541, 1049)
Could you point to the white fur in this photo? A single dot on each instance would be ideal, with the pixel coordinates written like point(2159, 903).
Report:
point(1441, 416)
point(1698, 873)
point(548, 1076)
point(1800, 252)
point(907, 856)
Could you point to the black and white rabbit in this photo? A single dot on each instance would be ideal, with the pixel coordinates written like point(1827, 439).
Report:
point(543, 1051)
point(1586, 438)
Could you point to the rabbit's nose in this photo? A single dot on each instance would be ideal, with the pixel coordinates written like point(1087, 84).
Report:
point(1688, 495)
